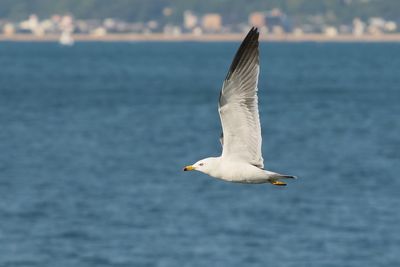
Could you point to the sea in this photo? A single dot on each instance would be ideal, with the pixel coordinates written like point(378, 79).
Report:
point(93, 139)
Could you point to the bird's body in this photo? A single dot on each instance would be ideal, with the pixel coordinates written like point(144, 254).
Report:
point(241, 160)
point(236, 171)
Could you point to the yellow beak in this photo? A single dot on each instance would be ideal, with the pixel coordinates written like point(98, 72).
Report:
point(189, 168)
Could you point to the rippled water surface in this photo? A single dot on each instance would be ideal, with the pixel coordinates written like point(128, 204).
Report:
point(93, 139)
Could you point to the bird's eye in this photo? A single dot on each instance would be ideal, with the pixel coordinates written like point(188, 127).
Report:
point(201, 164)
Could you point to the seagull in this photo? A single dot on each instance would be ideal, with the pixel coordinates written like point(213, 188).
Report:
point(241, 160)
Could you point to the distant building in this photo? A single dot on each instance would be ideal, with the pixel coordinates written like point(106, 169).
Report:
point(82, 26)
point(47, 25)
point(189, 20)
point(152, 25)
point(330, 31)
point(8, 29)
point(374, 30)
point(277, 30)
point(172, 30)
point(109, 24)
point(257, 19)
point(298, 31)
point(67, 23)
point(212, 22)
point(31, 25)
point(390, 26)
point(358, 27)
point(99, 31)
point(197, 31)
point(377, 22)
point(33, 21)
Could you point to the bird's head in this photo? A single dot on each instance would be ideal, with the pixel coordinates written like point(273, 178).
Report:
point(204, 165)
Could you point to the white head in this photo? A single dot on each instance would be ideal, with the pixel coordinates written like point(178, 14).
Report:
point(204, 165)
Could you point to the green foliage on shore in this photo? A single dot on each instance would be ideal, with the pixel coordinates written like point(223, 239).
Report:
point(334, 11)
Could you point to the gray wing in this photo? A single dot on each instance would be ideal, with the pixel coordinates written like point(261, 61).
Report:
point(238, 105)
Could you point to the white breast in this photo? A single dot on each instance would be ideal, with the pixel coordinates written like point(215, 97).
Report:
point(237, 171)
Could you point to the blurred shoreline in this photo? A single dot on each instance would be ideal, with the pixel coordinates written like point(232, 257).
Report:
point(160, 37)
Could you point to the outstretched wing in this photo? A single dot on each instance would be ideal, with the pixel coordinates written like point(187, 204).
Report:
point(238, 105)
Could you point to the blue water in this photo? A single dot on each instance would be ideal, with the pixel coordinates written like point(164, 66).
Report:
point(93, 139)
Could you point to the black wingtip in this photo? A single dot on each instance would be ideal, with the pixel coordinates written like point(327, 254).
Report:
point(255, 29)
point(250, 42)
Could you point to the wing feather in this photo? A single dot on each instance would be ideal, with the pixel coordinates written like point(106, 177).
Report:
point(238, 104)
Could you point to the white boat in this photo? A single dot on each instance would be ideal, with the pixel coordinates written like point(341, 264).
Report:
point(66, 38)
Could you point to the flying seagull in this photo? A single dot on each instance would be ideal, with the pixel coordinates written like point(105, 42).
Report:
point(241, 160)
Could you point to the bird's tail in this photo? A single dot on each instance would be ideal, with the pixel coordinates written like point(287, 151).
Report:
point(280, 176)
